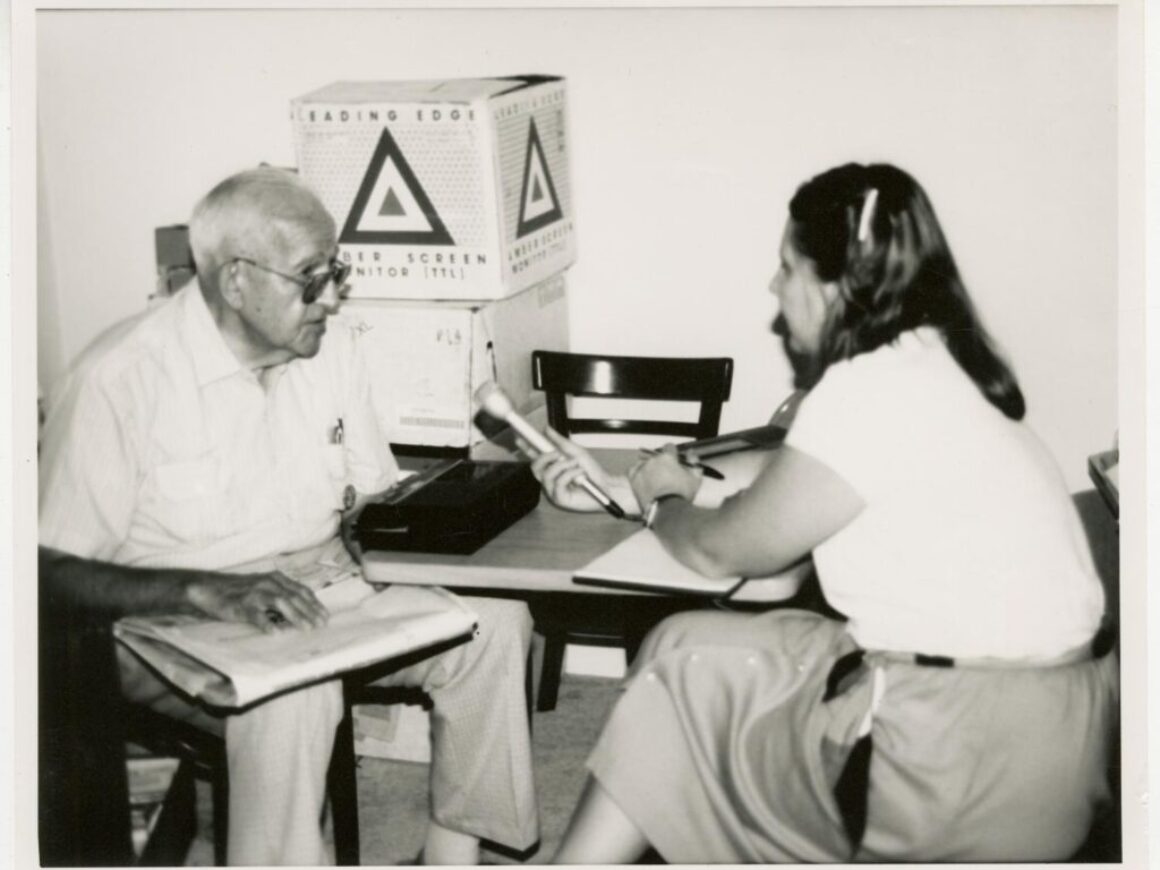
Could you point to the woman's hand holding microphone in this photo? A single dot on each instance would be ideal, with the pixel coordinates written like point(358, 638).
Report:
point(654, 476)
point(559, 471)
point(573, 479)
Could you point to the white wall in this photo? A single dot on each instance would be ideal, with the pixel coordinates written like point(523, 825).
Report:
point(690, 130)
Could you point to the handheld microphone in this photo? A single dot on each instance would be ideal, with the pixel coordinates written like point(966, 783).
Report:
point(495, 403)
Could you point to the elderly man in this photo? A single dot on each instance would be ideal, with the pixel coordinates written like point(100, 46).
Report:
point(200, 458)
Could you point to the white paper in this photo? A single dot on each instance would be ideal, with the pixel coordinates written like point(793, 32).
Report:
point(640, 561)
point(233, 664)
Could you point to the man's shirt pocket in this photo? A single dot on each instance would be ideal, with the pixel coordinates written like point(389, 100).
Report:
point(189, 498)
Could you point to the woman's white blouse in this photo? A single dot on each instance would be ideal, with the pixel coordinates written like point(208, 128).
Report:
point(970, 544)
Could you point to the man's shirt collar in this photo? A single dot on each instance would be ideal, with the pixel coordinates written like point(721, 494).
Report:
point(212, 358)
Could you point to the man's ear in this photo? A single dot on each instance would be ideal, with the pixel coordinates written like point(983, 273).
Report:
point(230, 285)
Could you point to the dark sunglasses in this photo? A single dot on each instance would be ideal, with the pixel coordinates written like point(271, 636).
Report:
point(314, 284)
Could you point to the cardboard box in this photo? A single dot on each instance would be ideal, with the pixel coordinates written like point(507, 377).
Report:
point(442, 189)
point(400, 732)
point(150, 778)
point(428, 358)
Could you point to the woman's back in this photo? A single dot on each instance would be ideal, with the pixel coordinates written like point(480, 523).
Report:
point(969, 544)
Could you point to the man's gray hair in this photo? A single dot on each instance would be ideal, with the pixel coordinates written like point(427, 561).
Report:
point(241, 213)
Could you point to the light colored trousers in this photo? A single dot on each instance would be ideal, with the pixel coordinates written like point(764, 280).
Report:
point(278, 751)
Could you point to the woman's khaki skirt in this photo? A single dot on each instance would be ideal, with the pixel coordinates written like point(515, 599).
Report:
point(722, 749)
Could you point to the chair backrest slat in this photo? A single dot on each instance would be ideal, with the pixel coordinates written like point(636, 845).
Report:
point(706, 380)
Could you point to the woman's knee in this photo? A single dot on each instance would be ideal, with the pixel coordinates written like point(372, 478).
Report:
point(682, 629)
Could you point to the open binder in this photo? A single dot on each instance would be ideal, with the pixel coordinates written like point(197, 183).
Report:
point(641, 562)
point(234, 664)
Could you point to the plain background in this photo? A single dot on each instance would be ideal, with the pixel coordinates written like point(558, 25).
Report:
point(689, 130)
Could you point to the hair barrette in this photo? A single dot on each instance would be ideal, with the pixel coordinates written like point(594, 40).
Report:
point(868, 206)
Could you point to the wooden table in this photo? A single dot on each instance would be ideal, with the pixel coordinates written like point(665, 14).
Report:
point(543, 550)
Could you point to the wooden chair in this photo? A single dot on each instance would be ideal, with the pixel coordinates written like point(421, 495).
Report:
point(84, 795)
point(84, 817)
point(1104, 843)
point(707, 381)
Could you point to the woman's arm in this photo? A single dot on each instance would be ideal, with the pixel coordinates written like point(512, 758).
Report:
point(794, 505)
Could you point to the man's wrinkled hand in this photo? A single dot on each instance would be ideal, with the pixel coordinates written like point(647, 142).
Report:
point(269, 601)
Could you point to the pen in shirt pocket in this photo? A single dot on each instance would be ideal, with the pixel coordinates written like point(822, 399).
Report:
point(336, 434)
point(691, 462)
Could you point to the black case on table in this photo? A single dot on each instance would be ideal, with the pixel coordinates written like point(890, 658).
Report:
point(453, 508)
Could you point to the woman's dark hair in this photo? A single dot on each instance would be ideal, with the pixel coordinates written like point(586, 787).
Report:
point(872, 230)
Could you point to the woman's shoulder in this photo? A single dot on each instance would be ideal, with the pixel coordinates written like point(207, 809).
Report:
point(912, 361)
point(895, 387)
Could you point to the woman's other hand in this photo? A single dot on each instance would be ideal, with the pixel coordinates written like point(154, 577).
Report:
point(557, 472)
point(663, 474)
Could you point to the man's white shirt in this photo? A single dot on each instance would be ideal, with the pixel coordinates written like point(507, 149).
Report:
point(160, 449)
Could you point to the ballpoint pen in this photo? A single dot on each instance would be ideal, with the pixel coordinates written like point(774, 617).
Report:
point(691, 462)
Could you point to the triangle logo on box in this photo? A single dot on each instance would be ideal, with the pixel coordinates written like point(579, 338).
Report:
point(538, 203)
point(391, 207)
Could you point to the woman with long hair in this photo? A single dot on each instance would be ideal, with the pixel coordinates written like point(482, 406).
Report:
point(961, 711)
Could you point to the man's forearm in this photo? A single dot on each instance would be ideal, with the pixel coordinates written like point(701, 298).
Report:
point(118, 589)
